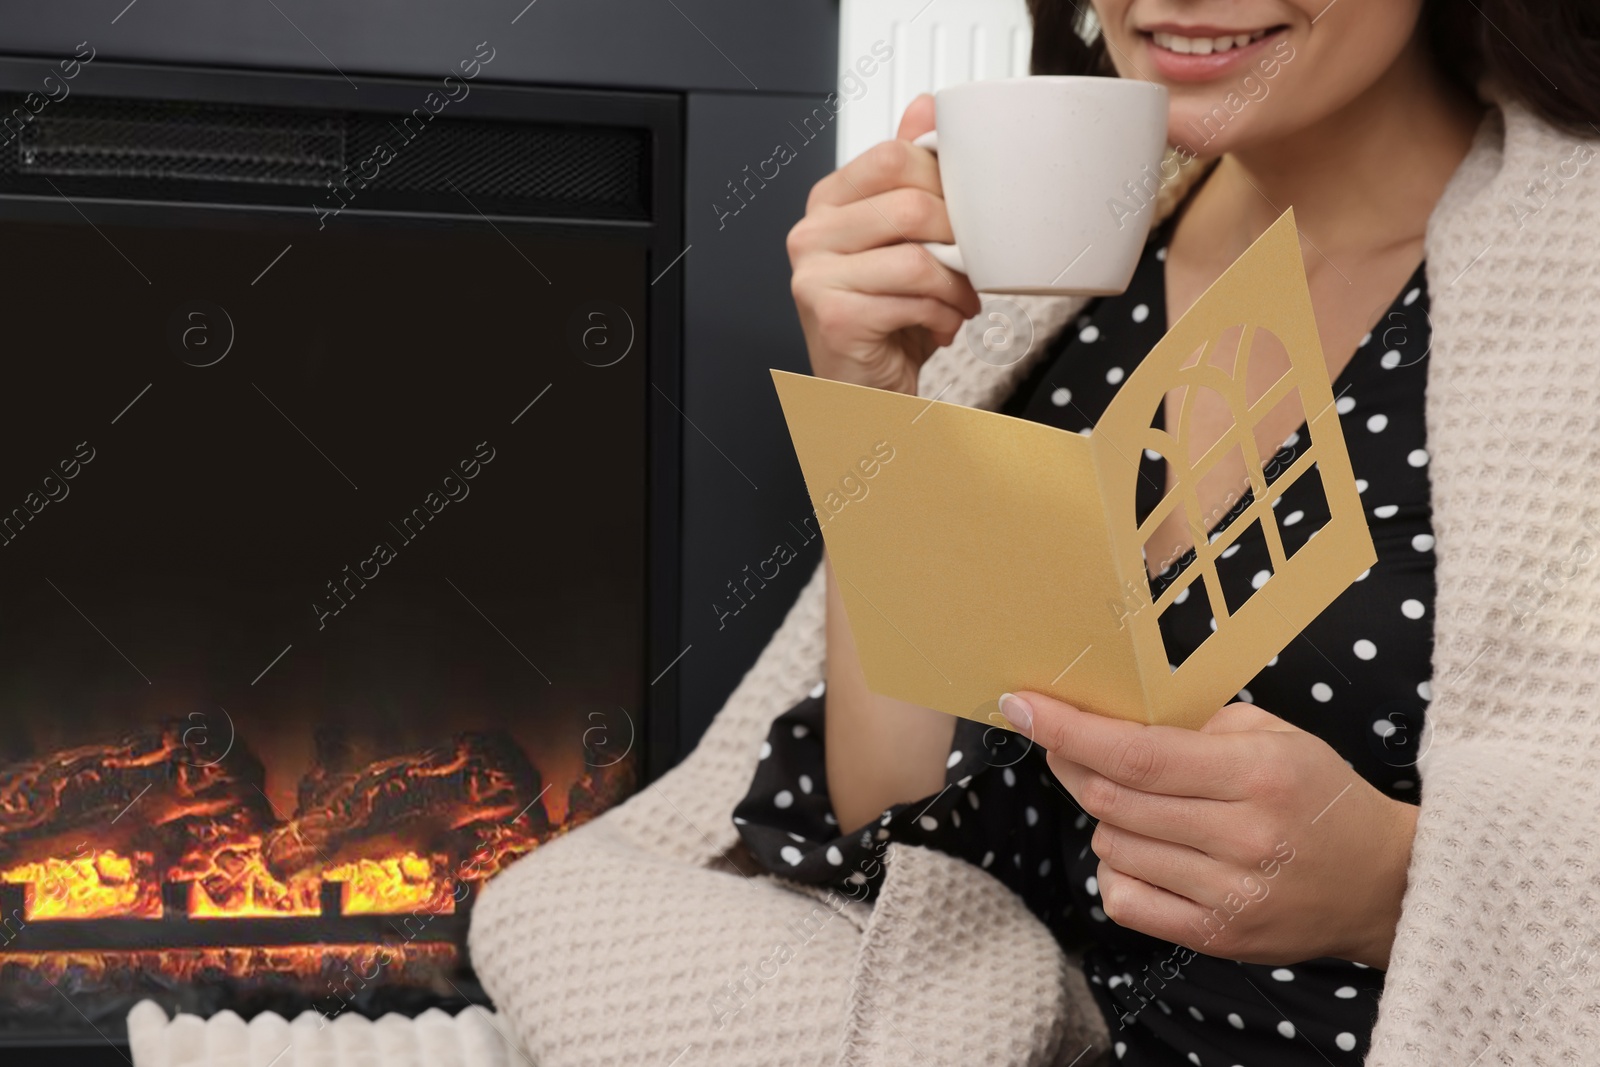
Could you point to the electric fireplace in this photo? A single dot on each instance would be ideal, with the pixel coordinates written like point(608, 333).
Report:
point(337, 521)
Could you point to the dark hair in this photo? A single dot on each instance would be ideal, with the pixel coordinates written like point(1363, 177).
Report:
point(1543, 53)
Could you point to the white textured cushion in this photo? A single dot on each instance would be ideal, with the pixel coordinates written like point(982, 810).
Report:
point(474, 1038)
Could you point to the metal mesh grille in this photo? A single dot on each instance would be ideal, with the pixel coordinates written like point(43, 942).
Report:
point(502, 160)
point(241, 148)
point(178, 150)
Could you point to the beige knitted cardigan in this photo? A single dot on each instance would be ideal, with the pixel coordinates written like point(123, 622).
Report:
point(638, 938)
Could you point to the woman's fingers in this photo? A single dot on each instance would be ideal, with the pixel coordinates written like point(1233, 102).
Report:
point(893, 270)
point(875, 315)
point(873, 302)
point(1192, 821)
point(904, 214)
point(886, 165)
point(1132, 902)
point(850, 304)
point(917, 118)
point(1157, 759)
point(1178, 869)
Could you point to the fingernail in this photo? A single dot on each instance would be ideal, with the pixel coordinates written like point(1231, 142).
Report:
point(1016, 711)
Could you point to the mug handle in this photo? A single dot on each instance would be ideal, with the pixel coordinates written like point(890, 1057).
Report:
point(949, 255)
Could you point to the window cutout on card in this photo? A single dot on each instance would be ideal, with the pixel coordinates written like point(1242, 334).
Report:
point(1264, 365)
point(1169, 550)
point(1152, 469)
point(1302, 511)
point(1279, 455)
point(1173, 619)
point(1224, 355)
point(1220, 488)
point(1205, 409)
point(1225, 468)
point(1152, 487)
point(1243, 567)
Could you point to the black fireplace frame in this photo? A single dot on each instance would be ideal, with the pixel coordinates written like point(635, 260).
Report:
point(661, 233)
point(740, 73)
point(659, 114)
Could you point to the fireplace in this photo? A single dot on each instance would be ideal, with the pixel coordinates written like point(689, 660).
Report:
point(338, 521)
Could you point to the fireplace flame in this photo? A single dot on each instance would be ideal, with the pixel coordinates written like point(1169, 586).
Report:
point(395, 885)
point(136, 828)
point(232, 882)
point(99, 885)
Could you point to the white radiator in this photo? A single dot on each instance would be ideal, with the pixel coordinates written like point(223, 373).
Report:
point(935, 43)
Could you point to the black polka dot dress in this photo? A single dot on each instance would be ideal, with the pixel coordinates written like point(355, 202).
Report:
point(1357, 677)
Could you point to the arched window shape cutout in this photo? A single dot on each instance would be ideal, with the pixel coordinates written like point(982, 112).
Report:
point(1205, 419)
point(1216, 422)
point(1279, 456)
point(1264, 364)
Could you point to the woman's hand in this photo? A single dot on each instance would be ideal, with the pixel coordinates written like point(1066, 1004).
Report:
point(1248, 839)
point(873, 304)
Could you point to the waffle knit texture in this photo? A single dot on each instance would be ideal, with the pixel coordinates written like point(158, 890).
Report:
point(608, 947)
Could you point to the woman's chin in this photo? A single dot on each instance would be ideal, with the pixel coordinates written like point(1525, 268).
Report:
point(1197, 131)
point(1191, 147)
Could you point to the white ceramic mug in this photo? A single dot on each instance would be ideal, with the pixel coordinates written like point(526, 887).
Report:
point(1049, 180)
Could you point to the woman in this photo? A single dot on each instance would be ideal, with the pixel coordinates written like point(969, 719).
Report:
point(1237, 891)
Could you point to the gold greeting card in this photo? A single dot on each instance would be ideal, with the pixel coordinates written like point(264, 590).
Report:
point(998, 554)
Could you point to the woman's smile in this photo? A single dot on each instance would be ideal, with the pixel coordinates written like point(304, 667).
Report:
point(1196, 53)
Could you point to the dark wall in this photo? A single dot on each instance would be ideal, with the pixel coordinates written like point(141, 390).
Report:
point(743, 494)
point(658, 44)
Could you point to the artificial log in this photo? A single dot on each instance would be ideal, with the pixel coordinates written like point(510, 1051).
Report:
point(150, 791)
point(444, 799)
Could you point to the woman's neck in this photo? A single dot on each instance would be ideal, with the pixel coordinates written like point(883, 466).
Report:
point(1363, 179)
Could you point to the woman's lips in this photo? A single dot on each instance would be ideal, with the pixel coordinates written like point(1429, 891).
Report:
point(1193, 54)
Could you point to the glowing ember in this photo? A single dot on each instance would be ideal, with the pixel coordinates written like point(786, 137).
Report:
point(234, 883)
point(395, 885)
point(412, 836)
point(237, 884)
point(90, 886)
point(498, 846)
point(414, 960)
